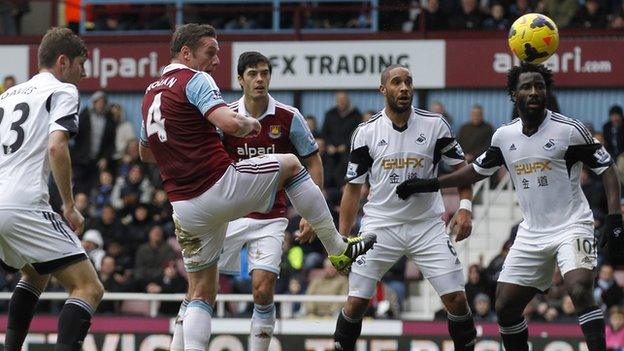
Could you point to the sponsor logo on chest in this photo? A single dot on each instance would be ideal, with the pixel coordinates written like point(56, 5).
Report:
point(399, 163)
point(247, 151)
point(532, 167)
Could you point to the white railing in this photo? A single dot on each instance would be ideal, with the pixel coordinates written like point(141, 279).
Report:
point(155, 299)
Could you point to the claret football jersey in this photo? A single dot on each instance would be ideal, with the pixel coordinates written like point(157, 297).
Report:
point(284, 130)
point(186, 146)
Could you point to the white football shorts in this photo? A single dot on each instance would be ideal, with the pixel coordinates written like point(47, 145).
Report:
point(248, 186)
point(263, 238)
point(532, 262)
point(426, 243)
point(39, 238)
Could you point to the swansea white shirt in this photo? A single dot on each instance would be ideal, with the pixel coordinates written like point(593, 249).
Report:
point(29, 112)
point(388, 155)
point(545, 169)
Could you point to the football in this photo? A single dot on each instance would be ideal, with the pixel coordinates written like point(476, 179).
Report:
point(533, 38)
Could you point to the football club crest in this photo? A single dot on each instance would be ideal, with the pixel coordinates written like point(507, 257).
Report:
point(275, 131)
point(550, 144)
point(421, 139)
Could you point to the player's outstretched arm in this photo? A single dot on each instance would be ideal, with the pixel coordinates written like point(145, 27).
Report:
point(233, 123)
point(349, 207)
point(463, 177)
point(60, 162)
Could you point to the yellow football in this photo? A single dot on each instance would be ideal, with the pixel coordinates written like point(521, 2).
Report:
point(533, 38)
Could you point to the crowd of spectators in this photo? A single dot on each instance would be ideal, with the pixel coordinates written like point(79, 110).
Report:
point(129, 235)
point(393, 15)
point(500, 14)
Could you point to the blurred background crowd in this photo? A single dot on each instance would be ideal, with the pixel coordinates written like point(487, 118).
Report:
point(129, 233)
point(394, 15)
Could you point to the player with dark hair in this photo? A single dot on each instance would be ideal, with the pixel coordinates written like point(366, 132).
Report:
point(544, 153)
point(181, 113)
point(284, 130)
point(40, 116)
point(397, 143)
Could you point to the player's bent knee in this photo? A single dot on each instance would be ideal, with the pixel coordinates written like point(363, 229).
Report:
point(263, 294)
point(290, 164)
point(581, 293)
point(507, 310)
point(356, 307)
point(94, 290)
point(456, 302)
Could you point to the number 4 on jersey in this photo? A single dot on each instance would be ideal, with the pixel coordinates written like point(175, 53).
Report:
point(155, 121)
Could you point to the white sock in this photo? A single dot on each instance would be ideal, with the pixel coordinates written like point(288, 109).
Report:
point(196, 326)
point(177, 341)
point(308, 200)
point(262, 326)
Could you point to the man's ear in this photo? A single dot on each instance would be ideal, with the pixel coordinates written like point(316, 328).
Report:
point(62, 61)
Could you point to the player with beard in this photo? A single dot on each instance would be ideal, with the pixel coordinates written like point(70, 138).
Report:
point(181, 113)
point(544, 152)
point(396, 144)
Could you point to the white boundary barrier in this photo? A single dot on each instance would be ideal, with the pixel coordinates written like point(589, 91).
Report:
point(154, 299)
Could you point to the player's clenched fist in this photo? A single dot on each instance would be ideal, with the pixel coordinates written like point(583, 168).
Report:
point(416, 185)
point(613, 237)
point(256, 128)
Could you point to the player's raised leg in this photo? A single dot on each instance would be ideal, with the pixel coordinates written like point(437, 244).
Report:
point(580, 286)
point(22, 307)
point(511, 299)
point(85, 293)
point(309, 201)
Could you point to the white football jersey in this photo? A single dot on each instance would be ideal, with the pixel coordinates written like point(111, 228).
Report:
point(389, 155)
point(29, 112)
point(545, 169)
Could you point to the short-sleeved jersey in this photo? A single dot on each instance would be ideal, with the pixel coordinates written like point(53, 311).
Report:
point(29, 112)
point(187, 147)
point(545, 169)
point(390, 155)
point(284, 130)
